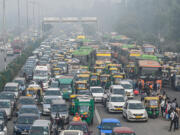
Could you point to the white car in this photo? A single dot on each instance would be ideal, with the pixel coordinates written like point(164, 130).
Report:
point(71, 132)
point(97, 93)
point(3, 128)
point(128, 88)
point(10, 52)
point(134, 110)
point(117, 90)
point(115, 103)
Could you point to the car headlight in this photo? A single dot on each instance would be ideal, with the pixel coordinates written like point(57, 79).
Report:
point(130, 113)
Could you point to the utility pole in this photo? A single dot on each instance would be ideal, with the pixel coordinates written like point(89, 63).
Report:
point(4, 21)
point(19, 27)
point(27, 15)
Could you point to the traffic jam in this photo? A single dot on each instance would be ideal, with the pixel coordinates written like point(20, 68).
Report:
point(64, 84)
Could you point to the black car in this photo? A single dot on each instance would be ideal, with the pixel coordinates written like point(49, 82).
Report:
point(23, 123)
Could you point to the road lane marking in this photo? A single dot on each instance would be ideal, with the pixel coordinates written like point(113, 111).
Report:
point(97, 115)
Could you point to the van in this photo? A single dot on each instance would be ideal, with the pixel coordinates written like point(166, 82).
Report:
point(59, 107)
point(12, 87)
point(41, 126)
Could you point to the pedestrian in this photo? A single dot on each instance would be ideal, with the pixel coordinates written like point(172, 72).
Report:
point(172, 118)
point(174, 104)
point(38, 95)
point(162, 107)
point(176, 120)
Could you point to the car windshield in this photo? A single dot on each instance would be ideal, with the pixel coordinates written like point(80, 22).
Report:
point(104, 78)
point(124, 134)
point(19, 82)
point(40, 73)
point(54, 85)
point(52, 93)
point(109, 125)
point(117, 99)
point(65, 86)
point(83, 92)
point(26, 119)
point(59, 108)
point(78, 127)
point(127, 86)
point(94, 77)
point(7, 96)
point(39, 131)
point(81, 86)
point(97, 90)
point(136, 106)
point(118, 91)
point(29, 110)
point(11, 89)
point(83, 108)
point(4, 104)
point(26, 101)
point(153, 103)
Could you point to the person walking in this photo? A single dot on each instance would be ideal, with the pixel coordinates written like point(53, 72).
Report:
point(172, 118)
point(176, 118)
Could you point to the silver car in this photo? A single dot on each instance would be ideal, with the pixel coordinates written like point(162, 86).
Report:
point(7, 107)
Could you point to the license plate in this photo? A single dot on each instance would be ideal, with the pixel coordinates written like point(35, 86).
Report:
point(118, 109)
point(138, 117)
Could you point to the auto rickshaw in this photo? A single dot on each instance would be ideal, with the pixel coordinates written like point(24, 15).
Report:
point(83, 77)
point(105, 81)
point(72, 104)
point(152, 106)
point(94, 79)
point(56, 71)
point(100, 63)
point(113, 71)
point(84, 69)
point(81, 85)
point(109, 66)
point(32, 91)
point(99, 70)
point(116, 79)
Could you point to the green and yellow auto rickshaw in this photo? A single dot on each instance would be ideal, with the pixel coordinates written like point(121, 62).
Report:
point(81, 85)
point(152, 106)
point(116, 79)
point(94, 79)
point(56, 71)
point(99, 70)
point(105, 81)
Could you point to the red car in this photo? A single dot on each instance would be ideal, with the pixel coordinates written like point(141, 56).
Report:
point(123, 131)
point(79, 126)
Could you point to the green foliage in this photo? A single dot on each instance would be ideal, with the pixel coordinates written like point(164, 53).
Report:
point(14, 67)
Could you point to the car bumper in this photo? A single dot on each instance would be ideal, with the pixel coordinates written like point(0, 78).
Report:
point(137, 119)
point(115, 109)
point(98, 100)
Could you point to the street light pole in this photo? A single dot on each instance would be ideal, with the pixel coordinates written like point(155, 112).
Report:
point(27, 15)
point(19, 29)
point(4, 21)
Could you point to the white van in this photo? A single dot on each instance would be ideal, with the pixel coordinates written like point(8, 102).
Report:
point(12, 87)
point(41, 126)
point(41, 73)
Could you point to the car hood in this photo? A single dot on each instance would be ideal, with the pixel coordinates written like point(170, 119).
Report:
point(46, 105)
point(138, 111)
point(117, 103)
point(97, 94)
point(24, 126)
point(106, 131)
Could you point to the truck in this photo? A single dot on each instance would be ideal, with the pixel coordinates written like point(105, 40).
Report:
point(84, 106)
point(66, 86)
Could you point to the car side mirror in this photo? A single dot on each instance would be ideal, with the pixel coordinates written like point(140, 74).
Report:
point(99, 127)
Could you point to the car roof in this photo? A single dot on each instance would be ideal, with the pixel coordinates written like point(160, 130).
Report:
point(26, 97)
point(29, 106)
point(78, 123)
point(60, 101)
point(123, 130)
point(53, 89)
point(125, 82)
point(107, 120)
point(19, 78)
point(11, 84)
point(71, 131)
point(115, 95)
point(95, 87)
point(4, 100)
point(28, 114)
point(117, 86)
point(40, 122)
point(134, 101)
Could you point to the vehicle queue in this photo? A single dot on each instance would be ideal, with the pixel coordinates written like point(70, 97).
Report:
point(66, 79)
